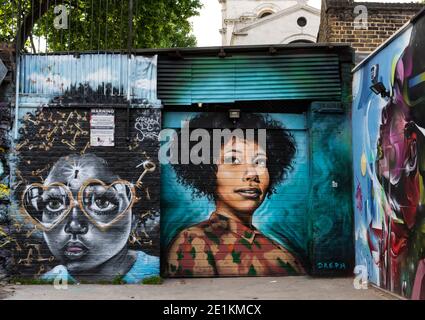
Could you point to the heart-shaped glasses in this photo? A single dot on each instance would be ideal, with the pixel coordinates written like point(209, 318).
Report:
point(103, 204)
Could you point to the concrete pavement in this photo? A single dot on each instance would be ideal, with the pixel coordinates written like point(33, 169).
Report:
point(263, 288)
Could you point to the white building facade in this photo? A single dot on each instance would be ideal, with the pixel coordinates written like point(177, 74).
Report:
point(250, 22)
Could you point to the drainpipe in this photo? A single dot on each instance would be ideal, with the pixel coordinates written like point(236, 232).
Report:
point(18, 65)
point(17, 94)
point(129, 47)
point(129, 60)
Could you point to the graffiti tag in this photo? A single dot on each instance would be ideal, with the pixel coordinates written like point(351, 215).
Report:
point(148, 128)
point(331, 266)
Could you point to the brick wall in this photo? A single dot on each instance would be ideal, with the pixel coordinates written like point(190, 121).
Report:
point(384, 19)
point(45, 138)
point(6, 93)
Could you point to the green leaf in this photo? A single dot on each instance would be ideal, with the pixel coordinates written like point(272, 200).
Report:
point(153, 280)
point(257, 244)
point(247, 234)
point(180, 255)
point(188, 272)
point(93, 26)
point(252, 271)
point(245, 243)
point(236, 257)
point(213, 237)
point(287, 267)
point(193, 252)
point(210, 258)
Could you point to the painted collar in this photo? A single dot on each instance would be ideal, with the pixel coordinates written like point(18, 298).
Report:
point(218, 220)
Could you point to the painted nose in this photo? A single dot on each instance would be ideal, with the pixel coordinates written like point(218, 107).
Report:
point(76, 224)
point(251, 174)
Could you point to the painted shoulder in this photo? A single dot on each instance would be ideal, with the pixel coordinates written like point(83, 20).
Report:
point(197, 231)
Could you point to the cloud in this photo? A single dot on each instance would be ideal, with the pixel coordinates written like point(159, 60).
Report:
point(48, 83)
point(102, 75)
point(144, 84)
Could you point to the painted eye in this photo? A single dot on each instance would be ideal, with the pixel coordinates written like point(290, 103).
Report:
point(261, 162)
point(54, 205)
point(100, 201)
point(103, 204)
point(232, 160)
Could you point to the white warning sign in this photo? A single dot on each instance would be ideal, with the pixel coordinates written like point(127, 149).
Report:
point(102, 127)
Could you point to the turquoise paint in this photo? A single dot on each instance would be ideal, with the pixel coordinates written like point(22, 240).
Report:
point(291, 121)
point(244, 78)
point(330, 231)
point(308, 215)
point(282, 217)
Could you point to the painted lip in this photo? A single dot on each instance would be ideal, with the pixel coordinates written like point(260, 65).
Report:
point(75, 250)
point(251, 193)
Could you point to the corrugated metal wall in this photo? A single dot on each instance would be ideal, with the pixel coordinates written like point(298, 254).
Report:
point(104, 74)
point(243, 78)
point(59, 97)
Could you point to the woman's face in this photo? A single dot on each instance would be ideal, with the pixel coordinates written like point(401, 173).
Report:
point(75, 241)
point(242, 176)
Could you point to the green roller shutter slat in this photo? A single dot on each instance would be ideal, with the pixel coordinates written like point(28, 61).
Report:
point(241, 78)
point(330, 87)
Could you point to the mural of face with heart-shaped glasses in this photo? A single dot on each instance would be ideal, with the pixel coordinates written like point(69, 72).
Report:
point(85, 213)
point(102, 204)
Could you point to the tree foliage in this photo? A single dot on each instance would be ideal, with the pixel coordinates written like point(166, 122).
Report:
point(99, 24)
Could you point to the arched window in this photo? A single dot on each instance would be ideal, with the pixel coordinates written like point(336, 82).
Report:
point(264, 14)
point(301, 41)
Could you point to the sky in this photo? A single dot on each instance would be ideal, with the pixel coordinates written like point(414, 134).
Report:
point(207, 24)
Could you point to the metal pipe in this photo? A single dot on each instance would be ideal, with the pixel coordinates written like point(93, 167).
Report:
point(130, 27)
point(127, 125)
point(18, 75)
point(18, 66)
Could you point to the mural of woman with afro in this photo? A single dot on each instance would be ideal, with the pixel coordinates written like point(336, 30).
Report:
point(243, 173)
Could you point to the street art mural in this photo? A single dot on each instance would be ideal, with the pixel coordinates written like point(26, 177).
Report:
point(330, 216)
point(92, 213)
point(86, 213)
point(5, 239)
point(84, 191)
point(235, 180)
point(388, 141)
point(253, 210)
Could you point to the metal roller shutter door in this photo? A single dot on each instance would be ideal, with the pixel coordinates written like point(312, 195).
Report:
point(247, 78)
point(283, 218)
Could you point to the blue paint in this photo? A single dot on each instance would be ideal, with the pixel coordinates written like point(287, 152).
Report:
point(282, 217)
point(367, 108)
point(46, 76)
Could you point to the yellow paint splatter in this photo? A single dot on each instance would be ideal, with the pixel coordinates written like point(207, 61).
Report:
point(363, 164)
point(4, 190)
